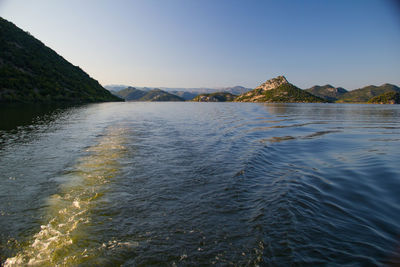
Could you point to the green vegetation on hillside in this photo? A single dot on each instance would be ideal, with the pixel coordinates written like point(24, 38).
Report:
point(31, 72)
point(130, 93)
point(287, 93)
point(215, 97)
point(386, 98)
point(327, 92)
point(364, 94)
point(133, 94)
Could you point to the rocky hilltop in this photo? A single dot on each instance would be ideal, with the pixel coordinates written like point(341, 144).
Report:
point(272, 83)
point(327, 92)
point(31, 72)
point(215, 97)
point(278, 90)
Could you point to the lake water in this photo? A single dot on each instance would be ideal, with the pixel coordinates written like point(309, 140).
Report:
point(178, 184)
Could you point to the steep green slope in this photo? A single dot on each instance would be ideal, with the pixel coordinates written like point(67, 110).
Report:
point(386, 98)
point(327, 92)
point(215, 97)
point(364, 94)
point(31, 72)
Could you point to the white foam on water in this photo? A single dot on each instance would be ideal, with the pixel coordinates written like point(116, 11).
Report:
point(57, 242)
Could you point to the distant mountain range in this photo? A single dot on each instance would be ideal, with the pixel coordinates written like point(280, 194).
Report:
point(31, 72)
point(274, 90)
point(133, 94)
point(185, 93)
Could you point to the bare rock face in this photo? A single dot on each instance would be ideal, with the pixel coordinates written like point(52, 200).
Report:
point(257, 93)
point(273, 83)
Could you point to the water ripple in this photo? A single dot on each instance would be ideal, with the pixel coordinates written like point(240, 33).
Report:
point(202, 183)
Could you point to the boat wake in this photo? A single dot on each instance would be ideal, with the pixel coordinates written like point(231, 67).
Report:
point(65, 237)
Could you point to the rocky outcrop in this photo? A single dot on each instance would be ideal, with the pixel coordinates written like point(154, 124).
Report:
point(278, 90)
point(272, 83)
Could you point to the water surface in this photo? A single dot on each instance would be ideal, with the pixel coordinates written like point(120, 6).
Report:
point(200, 183)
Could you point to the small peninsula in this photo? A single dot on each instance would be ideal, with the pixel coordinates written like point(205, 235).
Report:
point(386, 98)
point(215, 97)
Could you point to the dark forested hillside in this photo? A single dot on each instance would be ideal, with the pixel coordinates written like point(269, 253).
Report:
point(32, 72)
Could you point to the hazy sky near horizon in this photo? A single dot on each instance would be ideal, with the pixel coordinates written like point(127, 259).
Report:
point(217, 43)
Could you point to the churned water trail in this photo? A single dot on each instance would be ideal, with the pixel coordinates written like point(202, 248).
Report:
point(66, 238)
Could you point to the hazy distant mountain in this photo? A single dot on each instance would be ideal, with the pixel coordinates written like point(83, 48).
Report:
point(133, 94)
point(364, 94)
point(116, 87)
point(278, 90)
point(32, 72)
point(327, 92)
point(235, 90)
point(386, 98)
point(185, 95)
point(130, 93)
point(190, 90)
point(160, 95)
point(215, 97)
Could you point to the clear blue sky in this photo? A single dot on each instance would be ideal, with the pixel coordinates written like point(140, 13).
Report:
point(215, 43)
